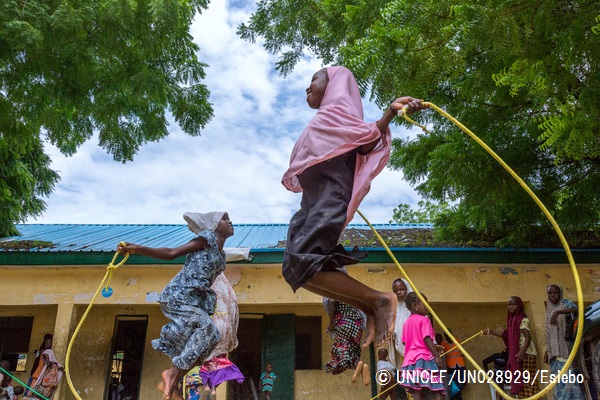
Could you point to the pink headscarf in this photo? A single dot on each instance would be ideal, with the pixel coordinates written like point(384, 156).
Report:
point(337, 128)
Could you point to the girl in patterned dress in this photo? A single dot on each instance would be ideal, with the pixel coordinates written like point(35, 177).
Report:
point(346, 325)
point(333, 163)
point(188, 300)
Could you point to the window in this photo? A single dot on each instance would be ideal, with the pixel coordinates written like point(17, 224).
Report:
point(308, 342)
point(15, 333)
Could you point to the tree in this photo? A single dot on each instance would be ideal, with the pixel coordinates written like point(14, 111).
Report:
point(522, 75)
point(69, 69)
point(427, 213)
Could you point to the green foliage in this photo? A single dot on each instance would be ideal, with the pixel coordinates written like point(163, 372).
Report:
point(523, 76)
point(24, 176)
point(428, 212)
point(72, 69)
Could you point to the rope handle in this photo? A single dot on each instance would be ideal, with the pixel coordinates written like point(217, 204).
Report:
point(402, 113)
point(110, 269)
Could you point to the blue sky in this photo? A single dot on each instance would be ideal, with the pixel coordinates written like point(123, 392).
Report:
point(237, 162)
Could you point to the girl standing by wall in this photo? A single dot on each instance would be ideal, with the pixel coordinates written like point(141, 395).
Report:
point(401, 288)
point(558, 348)
point(522, 355)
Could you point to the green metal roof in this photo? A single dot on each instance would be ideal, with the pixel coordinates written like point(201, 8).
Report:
point(77, 244)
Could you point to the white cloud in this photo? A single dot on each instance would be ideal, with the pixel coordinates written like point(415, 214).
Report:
point(237, 162)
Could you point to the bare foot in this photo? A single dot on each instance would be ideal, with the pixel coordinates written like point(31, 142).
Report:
point(170, 377)
point(177, 394)
point(369, 331)
point(366, 375)
point(357, 372)
point(385, 318)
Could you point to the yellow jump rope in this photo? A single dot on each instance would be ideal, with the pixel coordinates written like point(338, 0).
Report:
point(107, 291)
point(580, 316)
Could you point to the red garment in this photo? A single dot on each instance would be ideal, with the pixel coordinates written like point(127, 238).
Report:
point(511, 336)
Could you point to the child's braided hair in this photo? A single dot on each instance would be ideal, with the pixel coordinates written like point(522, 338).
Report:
point(411, 300)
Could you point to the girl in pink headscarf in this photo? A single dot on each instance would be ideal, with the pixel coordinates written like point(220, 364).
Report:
point(332, 164)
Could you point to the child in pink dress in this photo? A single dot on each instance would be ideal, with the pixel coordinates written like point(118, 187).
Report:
point(422, 362)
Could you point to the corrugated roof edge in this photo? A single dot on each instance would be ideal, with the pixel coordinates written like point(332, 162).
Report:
point(89, 244)
point(104, 237)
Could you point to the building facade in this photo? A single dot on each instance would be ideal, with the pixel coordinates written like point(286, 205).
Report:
point(50, 274)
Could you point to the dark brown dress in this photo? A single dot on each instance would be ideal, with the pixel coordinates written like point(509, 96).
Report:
point(316, 228)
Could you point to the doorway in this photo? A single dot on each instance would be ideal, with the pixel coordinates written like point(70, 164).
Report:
point(127, 354)
point(265, 338)
point(248, 357)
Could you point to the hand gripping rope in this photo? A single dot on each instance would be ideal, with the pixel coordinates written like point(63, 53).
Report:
point(580, 316)
point(463, 342)
point(106, 292)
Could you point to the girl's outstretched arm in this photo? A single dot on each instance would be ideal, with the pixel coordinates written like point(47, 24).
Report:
point(495, 332)
point(164, 253)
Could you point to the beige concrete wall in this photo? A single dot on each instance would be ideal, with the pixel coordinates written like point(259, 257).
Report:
point(43, 290)
point(90, 355)
point(317, 385)
point(466, 297)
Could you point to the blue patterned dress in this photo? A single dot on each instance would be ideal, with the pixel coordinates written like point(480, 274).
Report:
point(188, 302)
